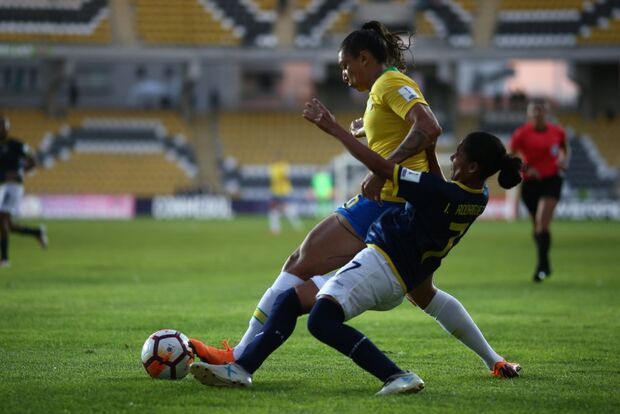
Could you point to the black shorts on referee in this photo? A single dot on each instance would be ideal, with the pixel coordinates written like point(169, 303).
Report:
point(533, 190)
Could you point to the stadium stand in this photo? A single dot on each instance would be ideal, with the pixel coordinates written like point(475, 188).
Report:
point(199, 22)
point(31, 125)
point(450, 20)
point(107, 152)
point(68, 21)
point(601, 24)
point(189, 23)
point(93, 173)
point(115, 156)
point(531, 23)
point(170, 120)
point(254, 137)
point(423, 25)
point(255, 23)
point(603, 131)
point(588, 172)
point(266, 5)
point(313, 19)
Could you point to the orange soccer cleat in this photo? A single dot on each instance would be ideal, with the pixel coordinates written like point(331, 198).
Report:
point(211, 354)
point(504, 369)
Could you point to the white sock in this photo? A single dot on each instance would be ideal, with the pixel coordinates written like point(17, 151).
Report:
point(290, 211)
point(453, 317)
point(274, 221)
point(284, 282)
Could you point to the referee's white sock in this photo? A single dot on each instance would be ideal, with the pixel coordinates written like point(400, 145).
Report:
point(453, 317)
point(284, 282)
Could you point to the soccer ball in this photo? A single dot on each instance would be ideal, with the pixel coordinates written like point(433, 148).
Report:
point(166, 354)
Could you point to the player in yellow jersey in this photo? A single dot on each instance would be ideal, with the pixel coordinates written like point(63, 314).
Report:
point(281, 189)
point(401, 127)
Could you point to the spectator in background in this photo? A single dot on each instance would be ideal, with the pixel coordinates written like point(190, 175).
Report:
point(543, 148)
point(15, 160)
point(147, 93)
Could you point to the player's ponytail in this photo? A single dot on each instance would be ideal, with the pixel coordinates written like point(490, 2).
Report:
point(510, 171)
point(490, 154)
point(386, 47)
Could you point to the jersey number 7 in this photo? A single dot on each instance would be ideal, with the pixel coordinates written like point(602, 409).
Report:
point(460, 229)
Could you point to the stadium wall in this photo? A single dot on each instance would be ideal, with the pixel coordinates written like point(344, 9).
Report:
point(127, 207)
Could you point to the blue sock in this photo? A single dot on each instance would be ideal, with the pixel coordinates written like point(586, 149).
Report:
point(279, 326)
point(4, 249)
point(326, 323)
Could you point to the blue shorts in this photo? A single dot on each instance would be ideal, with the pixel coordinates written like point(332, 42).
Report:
point(360, 212)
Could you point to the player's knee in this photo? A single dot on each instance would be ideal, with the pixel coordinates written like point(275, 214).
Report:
point(316, 326)
point(300, 265)
point(306, 293)
point(423, 294)
point(291, 261)
point(324, 315)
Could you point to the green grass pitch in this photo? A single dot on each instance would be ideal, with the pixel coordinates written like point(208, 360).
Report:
point(73, 320)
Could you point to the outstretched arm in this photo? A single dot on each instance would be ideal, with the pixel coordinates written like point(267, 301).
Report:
point(422, 135)
point(319, 115)
point(433, 162)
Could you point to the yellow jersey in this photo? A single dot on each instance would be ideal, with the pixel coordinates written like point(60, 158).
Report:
point(391, 97)
point(280, 181)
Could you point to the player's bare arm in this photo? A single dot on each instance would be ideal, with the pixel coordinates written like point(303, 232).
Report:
point(422, 135)
point(433, 162)
point(319, 115)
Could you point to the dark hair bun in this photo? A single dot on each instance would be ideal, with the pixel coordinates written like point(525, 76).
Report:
point(510, 171)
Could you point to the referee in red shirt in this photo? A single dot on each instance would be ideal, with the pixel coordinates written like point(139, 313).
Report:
point(544, 150)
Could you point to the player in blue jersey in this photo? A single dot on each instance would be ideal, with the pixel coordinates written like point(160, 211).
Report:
point(15, 160)
point(404, 248)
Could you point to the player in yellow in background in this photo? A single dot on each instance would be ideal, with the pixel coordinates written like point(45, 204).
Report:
point(280, 203)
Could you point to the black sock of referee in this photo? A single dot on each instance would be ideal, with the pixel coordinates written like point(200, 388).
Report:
point(543, 243)
point(4, 249)
point(326, 323)
point(279, 326)
point(29, 231)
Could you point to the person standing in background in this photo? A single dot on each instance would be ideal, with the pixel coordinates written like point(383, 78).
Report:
point(544, 150)
point(281, 189)
point(323, 192)
point(15, 160)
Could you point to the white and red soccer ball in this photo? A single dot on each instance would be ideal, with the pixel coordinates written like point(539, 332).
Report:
point(166, 354)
